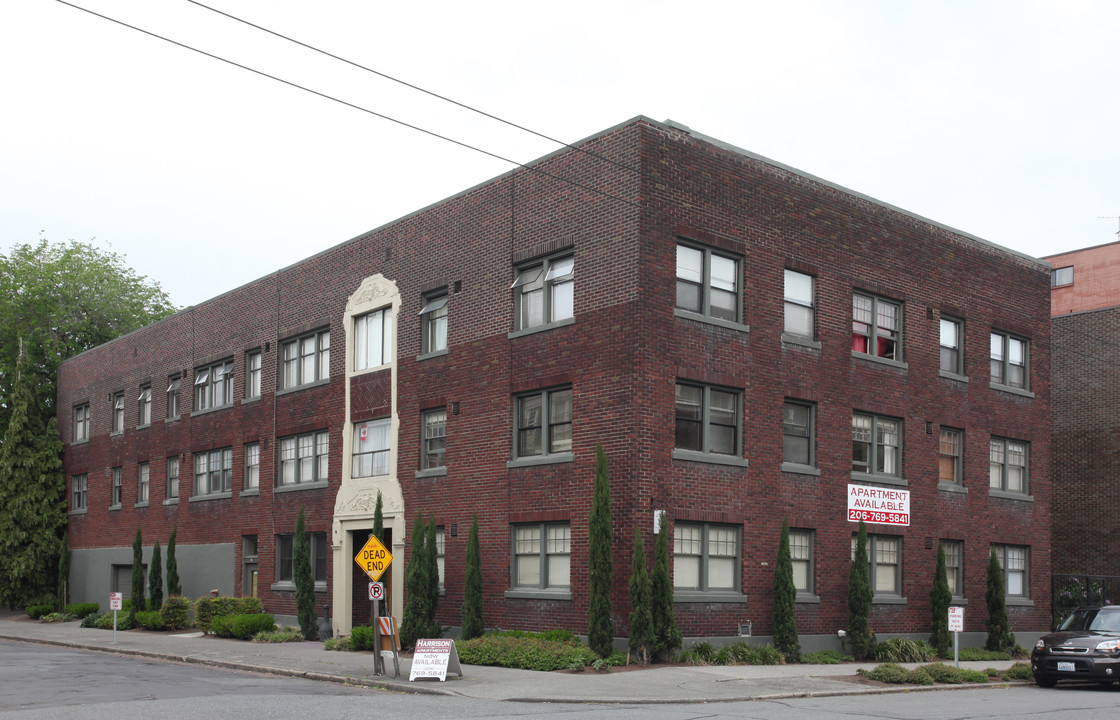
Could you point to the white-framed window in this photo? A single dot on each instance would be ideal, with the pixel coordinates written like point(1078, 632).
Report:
point(884, 557)
point(799, 311)
point(252, 466)
point(213, 386)
point(118, 413)
point(1061, 276)
point(144, 406)
point(705, 557)
point(544, 423)
point(173, 477)
point(143, 476)
point(797, 433)
point(306, 359)
point(1013, 560)
point(542, 555)
point(1008, 462)
point(708, 283)
point(373, 339)
point(249, 569)
point(213, 472)
point(1009, 360)
point(954, 566)
point(372, 443)
point(708, 419)
point(79, 485)
point(952, 338)
point(544, 292)
point(433, 319)
point(950, 468)
point(285, 567)
point(116, 488)
point(440, 554)
point(173, 397)
point(81, 423)
point(433, 442)
point(253, 362)
point(801, 553)
point(304, 458)
point(876, 445)
point(876, 326)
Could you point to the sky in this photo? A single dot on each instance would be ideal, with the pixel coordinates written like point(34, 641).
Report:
point(997, 118)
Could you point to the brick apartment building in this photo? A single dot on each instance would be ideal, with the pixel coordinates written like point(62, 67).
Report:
point(745, 340)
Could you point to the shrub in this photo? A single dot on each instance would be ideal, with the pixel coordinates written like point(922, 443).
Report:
point(37, 611)
point(1018, 671)
point(859, 600)
point(740, 653)
point(980, 654)
point(242, 627)
point(361, 638)
point(124, 621)
point(887, 673)
point(974, 676)
point(701, 653)
point(92, 620)
point(279, 635)
point(341, 644)
point(992, 672)
point(207, 608)
point(56, 617)
point(174, 612)
point(785, 600)
point(901, 650)
point(946, 674)
point(825, 657)
point(918, 676)
point(149, 619)
point(82, 610)
point(557, 635)
point(525, 653)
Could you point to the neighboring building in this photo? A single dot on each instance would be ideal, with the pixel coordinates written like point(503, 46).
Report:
point(745, 340)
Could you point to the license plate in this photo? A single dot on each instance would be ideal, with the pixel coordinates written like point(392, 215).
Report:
point(1065, 667)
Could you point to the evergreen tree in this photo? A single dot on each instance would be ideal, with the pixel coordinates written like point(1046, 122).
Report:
point(785, 600)
point(432, 627)
point(137, 573)
point(173, 586)
point(940, 598)
point(64, 571)
point(641, 619)
point(999, 630)
point(600, 569)
point(32, 494)
point(472, 589)
point(416, 582)
point(666, 635)
point(859, 599)
point(305, 582)
point(155, 578)
point(379, 533)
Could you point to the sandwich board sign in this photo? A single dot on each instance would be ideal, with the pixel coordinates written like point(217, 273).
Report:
point(373, 558)
point(433, 658)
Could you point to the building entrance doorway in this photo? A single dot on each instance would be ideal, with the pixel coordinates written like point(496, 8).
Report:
point(363, 606)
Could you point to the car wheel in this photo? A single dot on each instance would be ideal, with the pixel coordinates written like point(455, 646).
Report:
point(1045, 682)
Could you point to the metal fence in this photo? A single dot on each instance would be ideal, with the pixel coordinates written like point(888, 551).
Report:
point(1067, 592)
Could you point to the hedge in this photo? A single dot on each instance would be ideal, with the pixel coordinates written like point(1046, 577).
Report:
point(174, 612)
point(242, 627)
point(80, 610)
point(148, 619)
point(206, 608)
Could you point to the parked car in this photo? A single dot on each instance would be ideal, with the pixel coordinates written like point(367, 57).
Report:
point(1085, 647)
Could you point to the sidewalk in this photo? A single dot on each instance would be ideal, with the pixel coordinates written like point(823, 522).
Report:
point(688, 684)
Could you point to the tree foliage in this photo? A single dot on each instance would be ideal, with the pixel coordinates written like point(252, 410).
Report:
point(940, 597)
point(641, 639)
point(859, 599)
point(305, 581)
point(64, 571)
point(137, 573)
point(600, 569)
point(155, 579)
point(473, 625)
point(666, 635)
point(379, 533)
point(173, 586)
point(998, 625)
point(419, 609)
point(785, 600)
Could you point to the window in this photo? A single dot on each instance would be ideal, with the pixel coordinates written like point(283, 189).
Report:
point(371, 449)
point(252, 466)
point(115, 488)
point(433, 317)
point(253, 375)
point(708, 283)
point(307, 359)
point(433, 444)
point(78, 486)
point(799, 304)
point(213, 472)
point(544, 292)
point(801, 550)
point(797, 433)
point(1061, 276)
point(173, 477)
point(285, 570)
point(1008, 465)
point(213, 386)
point(705, 557)
point(708, 419)
point(876, 326)
point(951, 356)
point(544, 423)
point(118, 413)
point(303, 458)
point(142, 476)
point(249, 572)
point(1009, 360)
point(884, 557)
point(373, 339)
point(81, 423)
point(876, 448)
point(949, 469)
point(144, 404)
point(542, 555)
point(1013, 562)
point(440, 554)
point(173, 397)
point(954, 566)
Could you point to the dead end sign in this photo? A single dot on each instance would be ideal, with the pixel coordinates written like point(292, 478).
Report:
point(373, 558)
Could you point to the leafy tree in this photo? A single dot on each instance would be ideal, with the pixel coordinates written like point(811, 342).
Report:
point(137, 573)
point(32, 494)
point(305, 582)
point(940, 598)
point(173, 586)
point(155, 579)
point(64, 571)
point(641, 618)
point(785, 600)
point(415, 587)
point(666, 635)
point(999, 627)
point(472, 589)
point(859, 599)
point(600, 569)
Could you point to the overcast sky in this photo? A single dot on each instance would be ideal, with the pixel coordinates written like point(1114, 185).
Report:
point(997, 118)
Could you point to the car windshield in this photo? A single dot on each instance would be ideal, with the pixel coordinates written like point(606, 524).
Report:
point(1104, 619)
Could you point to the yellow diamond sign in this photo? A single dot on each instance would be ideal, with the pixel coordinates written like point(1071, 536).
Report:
point(373, 558)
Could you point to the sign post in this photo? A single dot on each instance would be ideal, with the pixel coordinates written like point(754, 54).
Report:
point(116, 601)
point(956, 626)
point(374, 560)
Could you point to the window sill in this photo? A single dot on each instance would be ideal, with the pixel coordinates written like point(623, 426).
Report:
point(959, 601)
point(251, 492)
point(79, 511)
point(952, 376)
point(301, 486)
point(727, 324)
point(141, 504)
point(431, 472)
point(251, 400)
point(432, 354)
point(173, 419)
point(1011, 390)
point(881, 360)
point(879, 479)
point(538, 594)
point(802, 341)
point(552, 459)
point(114, 508)
point(1019, 602)
point(710, 458)
point(709, 596)
point(116, 434)
point(305, 386)
point(207, 411)
point(805, 598)
point(78, 443)
point(888, 600)
point(171, 501)
point(211, 496)
point(799, 469)
point(542, 328)
point(951, 487)
point(143, 427)
point(1007, 495)
point(285, 586)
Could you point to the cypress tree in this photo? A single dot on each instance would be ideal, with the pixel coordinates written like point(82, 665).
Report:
point(939, 600)
point(472, 589)
point(305, 582)
point(379, 533)
point(432, 627)
point(155, 579)
point(64, 571)
point(999, 631)
point(415, 587)
point(600, 569)
point(173, 586)
point(666, 635)
point(859, 599)
point(137, 574)
point(785, 600)
point(641, 619)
